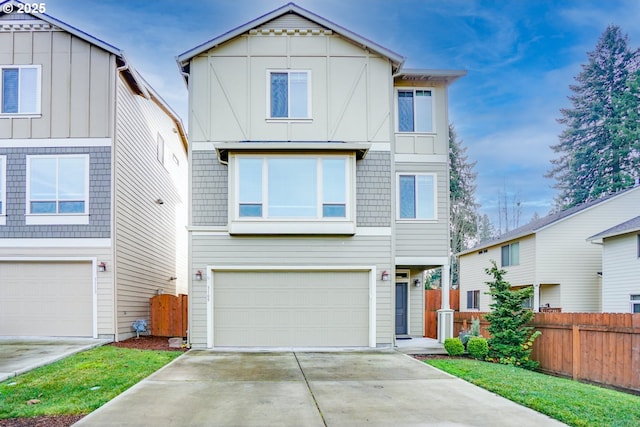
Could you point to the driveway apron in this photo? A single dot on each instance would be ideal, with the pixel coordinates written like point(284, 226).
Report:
point(385, 388)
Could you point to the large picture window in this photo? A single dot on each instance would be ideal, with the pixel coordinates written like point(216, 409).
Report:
point(58, 185)
point(20, 87)
point(291, 187)
point(417, 196)
point(415, 111)
point(289, 95)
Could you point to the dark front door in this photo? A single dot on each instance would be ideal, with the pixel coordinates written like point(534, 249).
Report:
point(401, 308)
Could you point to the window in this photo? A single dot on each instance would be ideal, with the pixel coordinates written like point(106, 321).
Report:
point(20, 89)
point(635, 303)
point(473, 299)
point(292, 187)
point(160, 149)
point(415, 111)
point(417, 196)
point(57, 186)
point(3, 188)
point(638, 245)
point(511, 254)
point(289, 95)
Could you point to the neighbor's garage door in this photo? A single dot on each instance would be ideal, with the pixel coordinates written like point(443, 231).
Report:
point(46, 299)
point(291, 308)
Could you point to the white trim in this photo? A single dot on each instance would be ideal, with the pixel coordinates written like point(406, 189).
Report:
point(3, 220)
point(56, 219)
point(3, 190)
point(242, 268)
point(94, 278)
point(435, 196)
point(38, 89)
point(381, 146)
point(421, 158)
point(55, 243)
point(316, 226)
point(309, 117)
point(203, 146)
point(373, 231)
point(56, 142)
point(402, 260)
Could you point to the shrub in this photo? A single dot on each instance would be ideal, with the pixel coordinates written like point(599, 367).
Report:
point(478, 347)
point(454, 346)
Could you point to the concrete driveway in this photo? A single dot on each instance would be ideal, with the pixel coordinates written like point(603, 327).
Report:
point(385, 388)
point(20, 355)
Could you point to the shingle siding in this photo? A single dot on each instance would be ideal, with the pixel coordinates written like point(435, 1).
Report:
point(373, 190)
point(210, 189)
point(99, 195)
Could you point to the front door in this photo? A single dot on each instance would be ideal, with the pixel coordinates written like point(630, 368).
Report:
point(401, 308)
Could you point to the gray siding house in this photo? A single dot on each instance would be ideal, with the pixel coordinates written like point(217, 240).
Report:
point(318, 186)
point(93, 184)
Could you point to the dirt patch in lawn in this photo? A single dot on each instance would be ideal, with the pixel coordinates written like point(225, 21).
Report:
point(142, 343)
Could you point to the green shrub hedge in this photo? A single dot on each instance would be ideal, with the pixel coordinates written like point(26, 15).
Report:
point(454, 346)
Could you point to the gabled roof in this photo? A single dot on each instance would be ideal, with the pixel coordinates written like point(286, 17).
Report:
point(184, 58)
point(133, 78)
point(550, 220)
point(630, 226)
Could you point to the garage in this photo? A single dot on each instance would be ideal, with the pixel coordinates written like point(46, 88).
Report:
point(291, 308)
point(46, 298)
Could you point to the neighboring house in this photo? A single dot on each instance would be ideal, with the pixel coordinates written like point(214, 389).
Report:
point(319, 186)
point(620, 267)
point(551, 254)
point(93, 185)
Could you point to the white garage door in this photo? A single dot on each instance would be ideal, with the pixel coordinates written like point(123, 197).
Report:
point(291, 308)
point(46, 299)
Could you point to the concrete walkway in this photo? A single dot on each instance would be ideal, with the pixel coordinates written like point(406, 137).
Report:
point(20, 355)
point(384, 388)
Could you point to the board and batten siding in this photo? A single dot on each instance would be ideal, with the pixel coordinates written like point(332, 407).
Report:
point(215, 249)
point(350, 90)
point(620, 272)
point(77, 85)
point(565, 256)
point(146, 232)
point(425, 238)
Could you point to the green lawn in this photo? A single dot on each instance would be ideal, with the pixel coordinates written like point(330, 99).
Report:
point(571, 402)
point(79, 384)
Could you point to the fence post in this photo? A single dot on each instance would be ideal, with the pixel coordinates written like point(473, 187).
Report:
point(576, 352)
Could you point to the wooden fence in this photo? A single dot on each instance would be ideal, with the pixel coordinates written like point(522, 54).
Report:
point(432, 303)
point(169, 315)
point(594, 347)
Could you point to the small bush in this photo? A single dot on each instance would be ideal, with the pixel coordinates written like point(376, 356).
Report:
point(478, 348)
point(454, 346)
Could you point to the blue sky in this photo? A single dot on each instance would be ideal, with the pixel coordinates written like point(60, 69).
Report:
point(520, 55)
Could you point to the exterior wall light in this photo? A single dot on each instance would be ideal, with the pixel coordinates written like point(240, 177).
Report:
point(416, 283)
point(102, 267)
point(385, 276)
point(198, 275)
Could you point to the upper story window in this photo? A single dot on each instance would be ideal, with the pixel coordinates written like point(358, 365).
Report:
point(160, 149)
point(289, 94)
point(511, 254)
point(473, 300)
point(417, 196)
point(20, 87)
point(3, 189)
point(58, 189)
point(279, 190)
point(635, 303)
point(415, 111)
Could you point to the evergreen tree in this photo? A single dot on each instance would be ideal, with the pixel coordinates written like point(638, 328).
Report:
point(599, 146)
point(486, 230)
point(511, 339)
point(463, 206)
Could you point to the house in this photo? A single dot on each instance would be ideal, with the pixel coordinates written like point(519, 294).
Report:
point(318, 186)
point(93, 184)
point(551, 254)
point(620, 266)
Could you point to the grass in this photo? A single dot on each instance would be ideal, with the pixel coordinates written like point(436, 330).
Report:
point(571, 402)
point(79, 384)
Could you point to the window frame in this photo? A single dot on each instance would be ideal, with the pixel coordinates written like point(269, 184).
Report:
point(160, 148)
point(510, 262)
point(269, 117)
point(634, 302)
point(638, 245)
point(57, 218)
point(266, 224)
point(38, 91)
point(414, 90)
point(3, 190)
point(416, 200)
point(473, 299)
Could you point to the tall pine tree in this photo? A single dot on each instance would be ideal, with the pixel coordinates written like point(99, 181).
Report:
point(463, 206)
point(598, 149)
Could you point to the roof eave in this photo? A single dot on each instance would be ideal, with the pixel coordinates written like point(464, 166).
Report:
point(446, 76)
